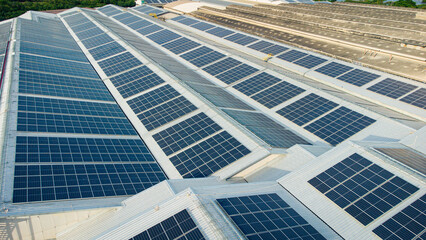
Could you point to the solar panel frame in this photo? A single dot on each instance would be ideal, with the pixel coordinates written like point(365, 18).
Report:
point(358, 77)
point(292, 55)
point(392, 88)
point(222, 66)
point(237, 73)
point(256, 83)
point(334, 69)
point(277, 94)
point(416, 98)
point(153, 98)
point(309, 61)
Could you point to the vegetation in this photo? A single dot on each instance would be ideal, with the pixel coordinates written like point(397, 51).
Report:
point(14, 8)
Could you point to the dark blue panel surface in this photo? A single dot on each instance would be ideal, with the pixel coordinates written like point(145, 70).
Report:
point(221, 66)
point(307, 109)
point(180, 226)
point(97, 41)
point(339, 125)
point(131, 75)
point(207, 58)
point(256, 83)
point(267, 217)
point(334, 69)
point(292, 55)
point(277, 94)
point(417, 98)
point(236, 73)
point(220, 32)
point(310, 61)
point(186, 133)
point(358, 77)
point(152, 98)
point(392, 88)
point(106, 50)
point(209, 156)
point(140, 85)
point(363, 189)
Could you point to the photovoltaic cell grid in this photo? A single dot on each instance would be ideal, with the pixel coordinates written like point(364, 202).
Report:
point(61, 182)
point(339, 125)
point(363, 189)
point(277, 94)
point(392, 88)
point(119, 63)
point(153, 98)
point(220, 32)
point(333, 69)
point(221, 66)
point(51, 51)
point(78, 150)
point(256, 83)
point(266, 129)
point(131, 75)
point(207, 58)
point(358, 77)
point(186, 133)
point(407, 224)
point(179, 226)
point(307, 109)
point(140, 85)
point(266, 217)
point(292, 55)
point(234, 74)
point(406, 156)
point(106, 50)
point(417, 98)
point(209, 156)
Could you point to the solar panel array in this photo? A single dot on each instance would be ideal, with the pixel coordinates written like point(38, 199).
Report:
point(179, 226)
point(4, 38)
point(146, 9)
point(363, 189)
point(267, 216)
point(407, 224)
point(106, 159)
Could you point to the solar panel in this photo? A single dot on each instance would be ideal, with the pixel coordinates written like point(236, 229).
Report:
point(221, 66)
point(407, 224)
point(277, 94)
point(130, 20)
point(209, 156)
point(274, 50)
point(307, 109)
point(50, 51)
point(83, 27)
point(179, 226)
point(140, 85)
point(234, 37)
point(186, 133)
point(139, 24)
point(260, 45)
point(188, 21)
point(339, 125)
point(333, 69)
point(310, 61)
point(196, 53)
point(202, 26)
point(184, 47)
point(267, 216)
point(166, 112)
point(256, 83)
point(207, 58)
point(180, 17)
point(152, 98)
point(266, 129)
point(407, 156)
point(246, 40)
point(416, 98)
point(119, 63)
point(292, 55)
point(358, 77)
point(106, 50)
point(236, 73)
point(89, 33)
point(220, 32)
point(363, 189)
point(392, 88)
point(219, 97)
point(58, 182)
point(97, 41)
point(149, 29)
point(163, 36)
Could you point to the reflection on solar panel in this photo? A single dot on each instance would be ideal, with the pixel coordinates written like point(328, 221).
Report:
point(267, 216)
point(256, 83)
point(392, 88)
point(166, 112)
point(363, 189)
point(209, 156)
point(58, 182)
point(310, 61)
point(339, 125)
point(358, 77)
point(292, 55)
point(407, 156)
point(266, 129)
point(236, 73)
point(307, 109)
point(180, 226)
point(277, 94)
point(334, 69)
point(186, 133)
point(407, 224)
point(417, 98)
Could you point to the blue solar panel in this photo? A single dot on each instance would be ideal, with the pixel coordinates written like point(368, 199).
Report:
point(131, 75)
point(179, 226)
point(339, 125)
point(166, 112)
point(119, 63)
point(202, 26)
point(358, 77)
point(266, 129)
point(140, 85)
point(97, 41)
point(417, 98)
point(163, 36)
point(236, 73)
point(77, 150)
point(407, 224)
point(180, 17)
point(307, 109)
point(334, 69)
point(392, 88)
point(58, 182)
point(139, 24)
point(106, 50)
point(277, 94)
point(209, 156)
point(363, 189)
point(186, 133)
point(235, 37)
point(89, 33)
point(123, 16)
point(292, 55)
point(83, 27)
point(188, 21)
point(184, 47)
point(220, 32)
point(274, 50)
point(260, 45)
point(130, 20)
point(196, 53)
point(221, 66)
point(152, 98)
point(149, 29)
point(310, 61)
point(256, 83)
point(246, 40)
point(267, 217)
point(207, 58)
point(51, 51)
